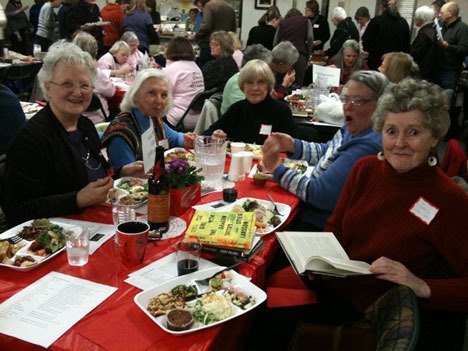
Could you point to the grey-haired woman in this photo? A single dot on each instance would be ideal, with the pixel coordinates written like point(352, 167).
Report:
point(348, 59)
point(54, 166)
point(252, 119)
point(401, 196)
point(332, 160)
point(148, 99)
point(115, 61)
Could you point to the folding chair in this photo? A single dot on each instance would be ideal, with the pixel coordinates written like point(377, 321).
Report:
point(97, 105)
point(196, 105)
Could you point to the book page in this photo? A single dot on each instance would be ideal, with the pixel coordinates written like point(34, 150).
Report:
point(43, 311)
point(310, 244)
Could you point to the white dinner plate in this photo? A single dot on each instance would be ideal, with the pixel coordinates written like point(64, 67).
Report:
point(181, 150)
point(24, 250)
point(239, 282)
point(122, 192)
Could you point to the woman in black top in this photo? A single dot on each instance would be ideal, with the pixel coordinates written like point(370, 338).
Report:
point(319, 23)
point(217, 72)
point(251, 120)
point(264, 33)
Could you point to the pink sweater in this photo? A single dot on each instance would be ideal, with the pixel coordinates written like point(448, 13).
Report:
point(187, 81)
point(373, 219)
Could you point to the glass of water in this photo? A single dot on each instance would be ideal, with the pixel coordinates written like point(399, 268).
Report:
point(210, 155)
point(78, 246)
point(122, 213)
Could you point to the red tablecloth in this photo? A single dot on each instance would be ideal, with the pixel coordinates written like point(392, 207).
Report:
point(118, 324)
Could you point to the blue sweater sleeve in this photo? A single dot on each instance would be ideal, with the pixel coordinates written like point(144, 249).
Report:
point(323, 192)
point(119, 152)
point(310, 152)
point(176, 139)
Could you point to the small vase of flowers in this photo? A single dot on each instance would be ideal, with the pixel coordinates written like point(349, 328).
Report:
point(185, 184)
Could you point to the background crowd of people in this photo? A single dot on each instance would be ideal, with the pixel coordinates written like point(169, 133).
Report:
point(376, 184)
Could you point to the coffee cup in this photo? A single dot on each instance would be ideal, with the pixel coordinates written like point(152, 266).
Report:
point(236, 170)
point(132, 239)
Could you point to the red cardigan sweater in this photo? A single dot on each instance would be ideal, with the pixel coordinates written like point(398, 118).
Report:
point(373, 219)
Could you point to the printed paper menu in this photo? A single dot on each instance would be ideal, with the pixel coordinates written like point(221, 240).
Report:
point(227, 229)
point(43, 311)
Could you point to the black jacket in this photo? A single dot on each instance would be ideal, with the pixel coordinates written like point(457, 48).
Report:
point(321, 30)
point(385, 33)
point(424, 50)
point(43, 171)
point(262, 34)
point(345, 30)
point(81, 13)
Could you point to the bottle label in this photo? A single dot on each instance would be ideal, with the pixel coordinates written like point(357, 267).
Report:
point(158, 208)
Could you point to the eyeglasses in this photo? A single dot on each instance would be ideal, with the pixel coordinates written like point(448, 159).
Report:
point(355, 101)
point(71, 87)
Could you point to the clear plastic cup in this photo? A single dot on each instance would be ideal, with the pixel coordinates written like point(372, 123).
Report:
point(78, 247)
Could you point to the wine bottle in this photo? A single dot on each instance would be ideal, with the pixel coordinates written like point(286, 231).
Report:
point(158, 195)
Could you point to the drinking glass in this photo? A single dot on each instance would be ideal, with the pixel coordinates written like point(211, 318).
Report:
point(122, 213)
point(187, 256)
point(78, 247)
point(210, 156)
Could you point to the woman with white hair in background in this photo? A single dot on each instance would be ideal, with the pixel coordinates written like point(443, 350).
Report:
point(135, 55)
point(148, 99)
point(345, 29)
point(424, 48)
point(115, 61)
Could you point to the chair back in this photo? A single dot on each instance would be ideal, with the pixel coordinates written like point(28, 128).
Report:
point(307, 132)
point(454, 162)
point(210, 113)
point(96, 105)
point(196, 105)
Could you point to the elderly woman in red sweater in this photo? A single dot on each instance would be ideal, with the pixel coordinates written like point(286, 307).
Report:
point(401, 213)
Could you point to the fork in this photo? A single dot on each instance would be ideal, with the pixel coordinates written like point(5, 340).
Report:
point(275, 208)
point(15, 239)
point(205, 282)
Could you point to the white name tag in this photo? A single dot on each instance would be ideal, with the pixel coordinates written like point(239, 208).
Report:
point(265, 129)
point(316, 25)
point(424, 210)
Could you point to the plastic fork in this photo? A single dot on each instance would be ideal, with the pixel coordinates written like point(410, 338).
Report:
point(275, 207)
point(15, 239)
point(205, 282)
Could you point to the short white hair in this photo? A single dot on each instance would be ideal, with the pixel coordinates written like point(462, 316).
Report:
point(424, 13)
point(339, 13)
point(128, 101)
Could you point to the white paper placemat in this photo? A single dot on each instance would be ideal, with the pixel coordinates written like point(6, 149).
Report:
point(46, 309)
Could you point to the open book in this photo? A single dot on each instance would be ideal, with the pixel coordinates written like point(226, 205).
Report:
point(319, 252)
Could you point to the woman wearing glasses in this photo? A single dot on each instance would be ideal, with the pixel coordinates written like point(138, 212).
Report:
point(54, 166)
point(332, 160)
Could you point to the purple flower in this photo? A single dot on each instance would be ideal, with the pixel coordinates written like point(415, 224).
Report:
point(178, 166)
